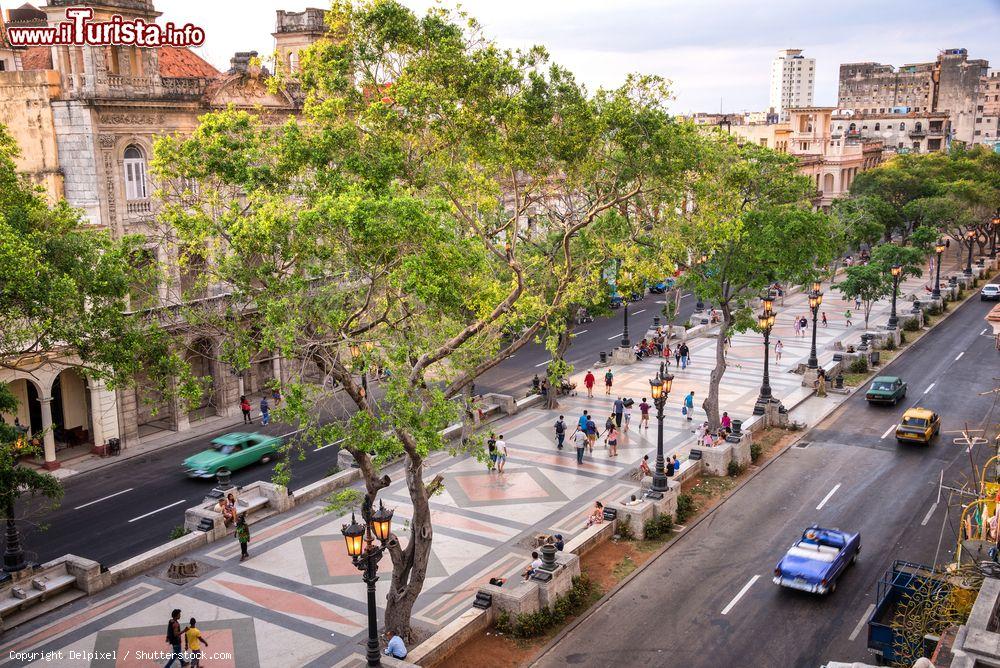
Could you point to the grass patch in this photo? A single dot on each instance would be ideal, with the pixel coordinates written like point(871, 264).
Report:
point(855, 379)
point(624, 568)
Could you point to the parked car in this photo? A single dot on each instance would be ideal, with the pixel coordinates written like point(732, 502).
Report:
point(817, 559)
point(990, 293)
point(886, 390)
point(232, 451)
point(919, 425)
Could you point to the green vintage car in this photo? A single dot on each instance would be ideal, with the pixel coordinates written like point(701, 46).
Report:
point(232, 451)
point(886, 390)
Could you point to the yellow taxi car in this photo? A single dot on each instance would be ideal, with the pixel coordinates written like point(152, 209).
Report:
point(919, 425)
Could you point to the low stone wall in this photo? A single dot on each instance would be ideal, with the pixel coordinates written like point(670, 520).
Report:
point(449, 638)
point(155, 557)
point(323, 487)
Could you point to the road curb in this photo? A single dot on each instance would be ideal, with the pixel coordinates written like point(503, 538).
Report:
point(690, 527)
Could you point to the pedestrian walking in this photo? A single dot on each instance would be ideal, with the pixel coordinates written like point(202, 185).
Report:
point(677, 355)
point(685, 355)
point(778, 348)
point(644, 414)
point(613, 441)
point(628, 414)
point(688, 409)
point(591, 433)
point(174, 639)
point(580, 442)
point(608, 424)
point(243, 536)
point(619, 411)
point(501, 453)
point(847, 318)
point(823, 320)
point(560, 432)
point(491, 451)
point(582, 422)
point(803, 325)
point(609, 378)
point(588, 382)
point(265, 411)
point(666, 352)
point(276, 396)
point(857, 302)
point(193, 640)
point(795, 326)
point(245, 408)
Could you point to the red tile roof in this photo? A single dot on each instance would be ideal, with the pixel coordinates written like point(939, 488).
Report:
point(36, 58)
point(175, 62)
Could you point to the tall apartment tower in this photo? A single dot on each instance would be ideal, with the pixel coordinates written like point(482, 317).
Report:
point(793, 81)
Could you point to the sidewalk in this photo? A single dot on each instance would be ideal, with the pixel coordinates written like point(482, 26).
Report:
point(298, 601)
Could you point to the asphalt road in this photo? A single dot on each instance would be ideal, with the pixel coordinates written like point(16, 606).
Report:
point(124, 509)
point(709, 600)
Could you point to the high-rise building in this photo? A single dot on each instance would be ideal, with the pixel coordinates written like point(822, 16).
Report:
point(793, 81)
point(949, 84)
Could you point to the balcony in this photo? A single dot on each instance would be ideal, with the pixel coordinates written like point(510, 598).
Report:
point(139, 208)
point(918, 133)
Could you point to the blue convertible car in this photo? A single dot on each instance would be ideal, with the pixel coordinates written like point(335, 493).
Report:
point(817, 559)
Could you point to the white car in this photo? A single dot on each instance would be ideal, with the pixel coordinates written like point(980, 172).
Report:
point(990, 293)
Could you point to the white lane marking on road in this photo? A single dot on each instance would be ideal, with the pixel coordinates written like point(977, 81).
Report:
point(104, 498)
point(887, 432)
point(984, 331)
point(927, 517)
point(686, 295)
point(328, 445)
point(638, 312)
point(176, 503)
point(616, 336)
point(740, 594)
point(582, 331)
point(827, 497)
point(929, 388)
point(862, 622)
point(960, 356)
point(543, 363)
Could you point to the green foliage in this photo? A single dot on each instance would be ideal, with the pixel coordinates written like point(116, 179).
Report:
point(911, 325)
point(685, 507)
point(338, 502)
point(890, 344)
point(756, 450)
point(734, 469)
point(534, 624)
point(178, 531)
point(624, 528)
point(859, 365)
point(658, 526)
point(869, 281)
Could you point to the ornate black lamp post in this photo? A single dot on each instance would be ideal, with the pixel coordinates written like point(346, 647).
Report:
point(939, 248)
point(365, 554)
point(659, 387)
point(700, 305)
point(971, 239)
point(995, 228)
point(896, 271)
point(625, 341)
point(815, 301)
point(765, 320)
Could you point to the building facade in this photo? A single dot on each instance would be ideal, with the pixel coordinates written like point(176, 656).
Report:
point(950, 84)
point(86, 118)
point(987, 127)
point(913, 132)
point(792, 81)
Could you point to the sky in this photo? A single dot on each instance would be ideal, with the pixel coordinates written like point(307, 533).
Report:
point(716, 53)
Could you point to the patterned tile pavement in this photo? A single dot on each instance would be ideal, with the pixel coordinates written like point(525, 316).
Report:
point(298, 601)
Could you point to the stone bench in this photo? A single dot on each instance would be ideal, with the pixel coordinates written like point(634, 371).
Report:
point(53, 584)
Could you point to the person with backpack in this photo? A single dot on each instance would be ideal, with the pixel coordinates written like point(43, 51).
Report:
point(560, 432)
point(591, 433)
point(174, 639)
point(609, 378)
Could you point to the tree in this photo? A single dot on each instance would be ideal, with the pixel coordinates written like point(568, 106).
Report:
point(867, 283)
point(428, 201)
point(64, 293)
point(895, 184)
point(753, 222)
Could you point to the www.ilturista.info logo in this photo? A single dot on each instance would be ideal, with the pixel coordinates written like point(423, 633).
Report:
point(78, 29)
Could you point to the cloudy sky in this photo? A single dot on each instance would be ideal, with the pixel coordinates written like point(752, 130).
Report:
point(716, 52)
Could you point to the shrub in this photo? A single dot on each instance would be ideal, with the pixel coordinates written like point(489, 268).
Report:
point(902, 337)
point(685, 507)
point(178, 531)
point(890, 344)
point(734, 469)
point(756, 449)
point(911, 325)
point(687, 324)
point(658, 527)
point(534, 624)
point(625, 528)
point(859, 365)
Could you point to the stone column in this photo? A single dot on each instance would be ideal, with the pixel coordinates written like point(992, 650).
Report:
point(276, 369)
point(103, 412)
point(48, 436)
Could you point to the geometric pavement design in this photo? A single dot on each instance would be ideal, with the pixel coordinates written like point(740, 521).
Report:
point(235, 637)
point(472, 489)
point(328, 563)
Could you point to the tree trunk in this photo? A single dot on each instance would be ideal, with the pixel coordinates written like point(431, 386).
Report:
point(711, 403)
point(565, 338)
point(409, 564)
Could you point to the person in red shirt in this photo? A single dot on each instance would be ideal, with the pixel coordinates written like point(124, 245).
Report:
point(589, 381)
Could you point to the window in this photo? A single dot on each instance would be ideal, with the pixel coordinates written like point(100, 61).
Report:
point(877, 127)
point(135, 174)
point(902, 126)
point(918, 126)
point(293, 61)
point(3, 65)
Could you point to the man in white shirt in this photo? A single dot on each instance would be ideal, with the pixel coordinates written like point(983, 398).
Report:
point(580, 443)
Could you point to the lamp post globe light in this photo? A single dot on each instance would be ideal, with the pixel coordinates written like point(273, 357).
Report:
point(970, 237)
point(365, 555)
point(993, 234)
point(815, 301)
point(939, 248)
point(765, 320)
point(896, 271)
point(659, 388)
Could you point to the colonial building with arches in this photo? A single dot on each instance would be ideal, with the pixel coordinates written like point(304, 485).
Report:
point(86, 119)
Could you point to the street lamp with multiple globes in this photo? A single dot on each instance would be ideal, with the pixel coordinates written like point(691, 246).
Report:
point(365, 555)
point(896, 271)
point(765, 320)
point(971, 237)
point(995, 229)
point(659, 388)
point(939, 248)
point(815, 301)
